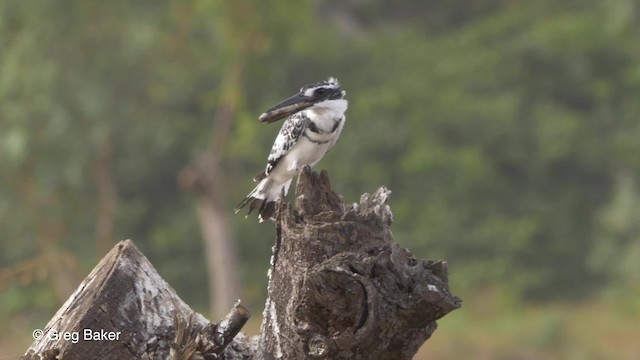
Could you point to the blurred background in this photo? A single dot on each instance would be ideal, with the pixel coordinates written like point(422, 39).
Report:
point(507, 130)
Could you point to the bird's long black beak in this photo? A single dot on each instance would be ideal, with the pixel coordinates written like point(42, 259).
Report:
point(286, 108)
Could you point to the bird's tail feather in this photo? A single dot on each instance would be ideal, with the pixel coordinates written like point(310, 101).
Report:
point(264, 198)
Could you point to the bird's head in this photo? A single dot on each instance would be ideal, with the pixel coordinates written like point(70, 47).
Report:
point(309, 95)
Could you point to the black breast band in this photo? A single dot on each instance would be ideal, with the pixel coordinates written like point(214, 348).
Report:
point(314, 140)
point(314, 128)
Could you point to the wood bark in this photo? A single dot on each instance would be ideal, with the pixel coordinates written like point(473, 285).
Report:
point(339, 288)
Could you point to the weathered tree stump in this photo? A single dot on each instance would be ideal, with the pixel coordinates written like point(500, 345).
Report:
point(339, 288)
point(125, 310)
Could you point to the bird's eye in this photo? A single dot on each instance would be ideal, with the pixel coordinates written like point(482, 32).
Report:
point(321, 91)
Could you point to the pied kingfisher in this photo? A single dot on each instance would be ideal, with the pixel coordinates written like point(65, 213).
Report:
point(314, 123)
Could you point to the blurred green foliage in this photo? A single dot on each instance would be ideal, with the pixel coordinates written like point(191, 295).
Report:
point(507, 130)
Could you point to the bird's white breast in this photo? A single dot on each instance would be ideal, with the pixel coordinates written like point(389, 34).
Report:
point(304, 152)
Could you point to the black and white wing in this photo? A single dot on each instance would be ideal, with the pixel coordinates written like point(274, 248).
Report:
point(289, 134)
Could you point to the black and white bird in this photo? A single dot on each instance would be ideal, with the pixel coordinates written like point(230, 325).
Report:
point(315, 117)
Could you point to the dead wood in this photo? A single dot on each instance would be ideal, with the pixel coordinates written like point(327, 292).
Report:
point(125, 310)
point(339, 288)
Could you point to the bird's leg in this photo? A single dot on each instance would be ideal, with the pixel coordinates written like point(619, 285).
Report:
point(306, 169)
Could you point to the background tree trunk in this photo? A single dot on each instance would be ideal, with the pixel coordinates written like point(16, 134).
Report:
point(205, 178)
point(107, 195)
